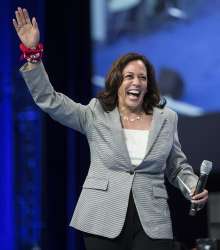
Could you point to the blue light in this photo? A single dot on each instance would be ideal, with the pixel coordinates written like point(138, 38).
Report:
point(6, 136)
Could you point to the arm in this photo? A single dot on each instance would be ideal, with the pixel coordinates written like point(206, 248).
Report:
point(178, 171)
point(57, 105)
point(181, 174)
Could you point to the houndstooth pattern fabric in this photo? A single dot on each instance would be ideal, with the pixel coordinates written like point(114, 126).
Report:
point(103, 202)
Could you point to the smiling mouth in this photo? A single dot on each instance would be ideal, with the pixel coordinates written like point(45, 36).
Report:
point(134, 93)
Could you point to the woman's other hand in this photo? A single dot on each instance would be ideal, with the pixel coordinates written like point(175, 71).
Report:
point(200, 198)
point(26, 29)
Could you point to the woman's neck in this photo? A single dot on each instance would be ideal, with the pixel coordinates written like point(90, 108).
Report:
point(134, 118)
point(130, 112)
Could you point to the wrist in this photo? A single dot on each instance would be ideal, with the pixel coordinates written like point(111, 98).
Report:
point(32, 55)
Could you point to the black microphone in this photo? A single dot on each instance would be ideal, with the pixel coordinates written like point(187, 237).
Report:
point(205, 169)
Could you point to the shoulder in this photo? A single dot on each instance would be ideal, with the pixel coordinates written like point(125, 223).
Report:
point(169, 113)
point(92, 103)
point(95, 106)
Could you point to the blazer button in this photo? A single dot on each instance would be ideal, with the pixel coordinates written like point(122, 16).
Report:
point(131, 172)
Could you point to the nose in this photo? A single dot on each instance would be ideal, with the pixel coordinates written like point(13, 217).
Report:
point(136, 81)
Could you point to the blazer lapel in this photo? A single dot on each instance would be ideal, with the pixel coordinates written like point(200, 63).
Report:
point(157, 123)
point(119, 137)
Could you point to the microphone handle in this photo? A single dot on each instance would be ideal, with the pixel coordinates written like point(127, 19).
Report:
point(199, 188)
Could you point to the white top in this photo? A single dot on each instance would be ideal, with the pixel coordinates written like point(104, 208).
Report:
point(136, 141)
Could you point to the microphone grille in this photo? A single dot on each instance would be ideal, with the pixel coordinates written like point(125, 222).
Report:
point(206, 167)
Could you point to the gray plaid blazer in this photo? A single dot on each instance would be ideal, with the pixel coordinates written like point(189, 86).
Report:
point(103, 202)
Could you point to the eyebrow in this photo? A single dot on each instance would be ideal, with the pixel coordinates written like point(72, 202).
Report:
point(129, 72)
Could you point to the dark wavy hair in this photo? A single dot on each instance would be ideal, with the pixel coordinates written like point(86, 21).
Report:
point(109, 96)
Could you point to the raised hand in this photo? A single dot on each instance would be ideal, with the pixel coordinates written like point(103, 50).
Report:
point(26, 29)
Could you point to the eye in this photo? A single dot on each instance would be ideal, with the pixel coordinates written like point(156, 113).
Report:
point(144, 78)
point(128, 77)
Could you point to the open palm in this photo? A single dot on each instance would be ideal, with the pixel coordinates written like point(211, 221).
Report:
point(27, 31)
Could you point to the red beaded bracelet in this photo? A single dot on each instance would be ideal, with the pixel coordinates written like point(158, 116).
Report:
point(32, 55)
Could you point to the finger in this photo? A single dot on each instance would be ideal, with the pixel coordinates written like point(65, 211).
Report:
point(15, 24)
point(18, 18)
point(202, 200)
point(34, 23)
point(26, 16)
point(22, 17)
point(200, 195)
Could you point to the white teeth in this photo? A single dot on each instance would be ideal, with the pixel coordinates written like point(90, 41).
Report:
point(135, 92)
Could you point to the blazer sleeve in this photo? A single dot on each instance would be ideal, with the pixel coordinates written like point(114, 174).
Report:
point(178, 171)
point(57, 105)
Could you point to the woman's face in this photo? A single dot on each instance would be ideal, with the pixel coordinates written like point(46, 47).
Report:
point(134, 86)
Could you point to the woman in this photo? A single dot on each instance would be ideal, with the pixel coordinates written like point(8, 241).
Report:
point(133, 142)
